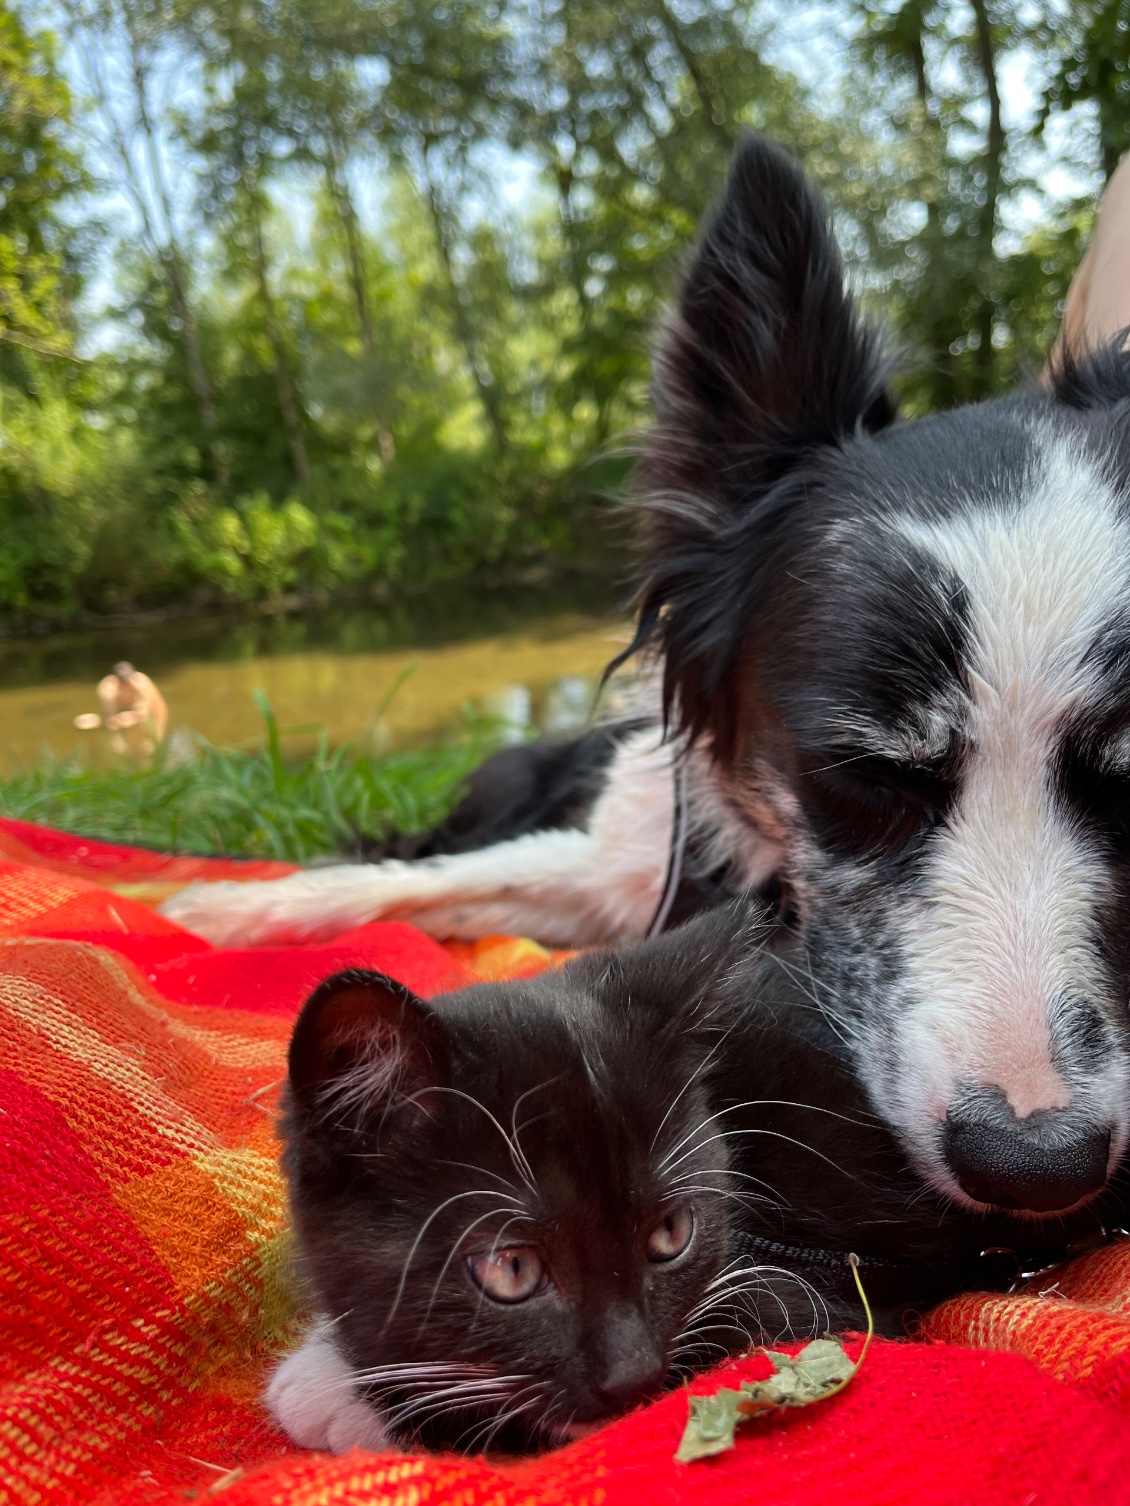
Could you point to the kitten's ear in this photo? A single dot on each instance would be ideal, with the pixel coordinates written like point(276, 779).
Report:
point(682, 978)
point(364, 1043)
point(764, 362)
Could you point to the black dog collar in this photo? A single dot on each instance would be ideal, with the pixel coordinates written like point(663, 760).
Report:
point(905, 1284)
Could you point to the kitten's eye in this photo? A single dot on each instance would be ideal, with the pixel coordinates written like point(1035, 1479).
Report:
point(508, 1275)
point(671, 1237)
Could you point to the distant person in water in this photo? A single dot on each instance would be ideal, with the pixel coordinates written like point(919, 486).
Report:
point(128, 699)
point(1098, 300)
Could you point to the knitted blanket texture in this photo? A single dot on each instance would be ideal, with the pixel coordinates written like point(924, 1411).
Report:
point(144, 1274)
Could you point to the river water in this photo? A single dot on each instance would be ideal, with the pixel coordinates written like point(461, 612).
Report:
point(529, 655)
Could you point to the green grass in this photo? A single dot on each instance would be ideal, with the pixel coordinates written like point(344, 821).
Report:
point(251, 801)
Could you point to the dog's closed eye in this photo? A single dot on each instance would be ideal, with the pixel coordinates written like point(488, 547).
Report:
point(868, 805)
point(1098, 793)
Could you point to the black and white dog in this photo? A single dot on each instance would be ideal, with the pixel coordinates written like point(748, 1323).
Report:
point(895, 676)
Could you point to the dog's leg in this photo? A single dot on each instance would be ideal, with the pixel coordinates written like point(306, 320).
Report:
point(564, 887)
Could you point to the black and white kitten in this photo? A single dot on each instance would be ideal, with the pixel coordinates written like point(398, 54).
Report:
point(510, 1214)
point(522, 1208)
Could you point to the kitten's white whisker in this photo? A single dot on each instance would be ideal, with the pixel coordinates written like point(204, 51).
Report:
point(484, 1171)
point(780, 1135)
point(702, 1124)
point(698, 1072)
point(413, 1411)
point(796, 1103)
point(774, 1198)
point(730, 1287)
point(432, 1216)
point(424, 1367)
point(515, 1214)
point(517, 1155)
point(514, 1128)
point(493, 1425)
point(418, 1409)
point(841, 1027)
point(746, 1199)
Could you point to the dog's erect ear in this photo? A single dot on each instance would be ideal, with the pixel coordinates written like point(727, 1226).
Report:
point(365, 1045)
point(764, 362)
point(1096, 378)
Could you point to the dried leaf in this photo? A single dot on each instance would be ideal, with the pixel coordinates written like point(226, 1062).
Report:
point(710, 1425)
point(820, 1370)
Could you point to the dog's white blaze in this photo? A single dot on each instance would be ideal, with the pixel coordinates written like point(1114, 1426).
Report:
point(1005, 922)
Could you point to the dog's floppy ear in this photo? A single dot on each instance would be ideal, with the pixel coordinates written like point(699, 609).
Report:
point(764, 361)
point(365, 1045)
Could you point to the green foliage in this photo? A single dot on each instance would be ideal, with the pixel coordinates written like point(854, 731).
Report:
point(1089, 45)
point(819, 1371)
point(247, 550)
point(254, 802)
point(342, 349)
point(38, 171)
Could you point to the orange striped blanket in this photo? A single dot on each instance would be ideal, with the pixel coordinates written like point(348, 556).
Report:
point(143, 1256)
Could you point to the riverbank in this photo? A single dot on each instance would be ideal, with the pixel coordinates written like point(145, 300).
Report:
point(604, 582)
point(517, 653)
point(251, 802)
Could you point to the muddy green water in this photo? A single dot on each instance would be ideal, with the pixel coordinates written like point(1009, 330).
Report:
point(530, 655)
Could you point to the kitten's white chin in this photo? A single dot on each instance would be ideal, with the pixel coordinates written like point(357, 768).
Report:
point(571, 1431)
point(311, 1397)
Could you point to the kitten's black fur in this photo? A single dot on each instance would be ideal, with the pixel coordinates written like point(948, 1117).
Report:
point(538, 1114)
point(571, 1115)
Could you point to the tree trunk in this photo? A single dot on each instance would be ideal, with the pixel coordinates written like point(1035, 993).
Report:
point(347, 214)
point(284, 384)
point(716, 119)
point(198, 378)
point(994, 156)
point(1112, 156)
point(941, 330)
point(484, 381)
point(172, 260)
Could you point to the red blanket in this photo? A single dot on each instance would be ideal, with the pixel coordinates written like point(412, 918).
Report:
point(143, 1256)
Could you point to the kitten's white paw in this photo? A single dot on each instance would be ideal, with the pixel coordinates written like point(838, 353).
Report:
point(302, 907)
point(311, 1397)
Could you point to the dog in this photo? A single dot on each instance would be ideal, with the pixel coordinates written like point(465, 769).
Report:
point(892, 697)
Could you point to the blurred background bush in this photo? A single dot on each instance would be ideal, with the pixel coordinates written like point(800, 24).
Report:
point(300, 297)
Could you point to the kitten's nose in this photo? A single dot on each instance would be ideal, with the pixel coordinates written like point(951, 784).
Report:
point(631, 1367)
point(1044, 1163)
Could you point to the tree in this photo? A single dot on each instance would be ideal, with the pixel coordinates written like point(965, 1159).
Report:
point(39, 172)
point(237, 145)
point(406, 257)
point(1088, 43)
point(126, 37)
point(935, 69)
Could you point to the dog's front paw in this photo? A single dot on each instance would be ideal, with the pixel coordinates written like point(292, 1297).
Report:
point(224, 913)
point(312, 1398)
point(306, 906)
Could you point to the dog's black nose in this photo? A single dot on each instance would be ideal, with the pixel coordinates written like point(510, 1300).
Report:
point(1041, 1164)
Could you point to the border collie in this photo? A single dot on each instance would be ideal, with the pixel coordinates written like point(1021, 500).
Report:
point(894, 694)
